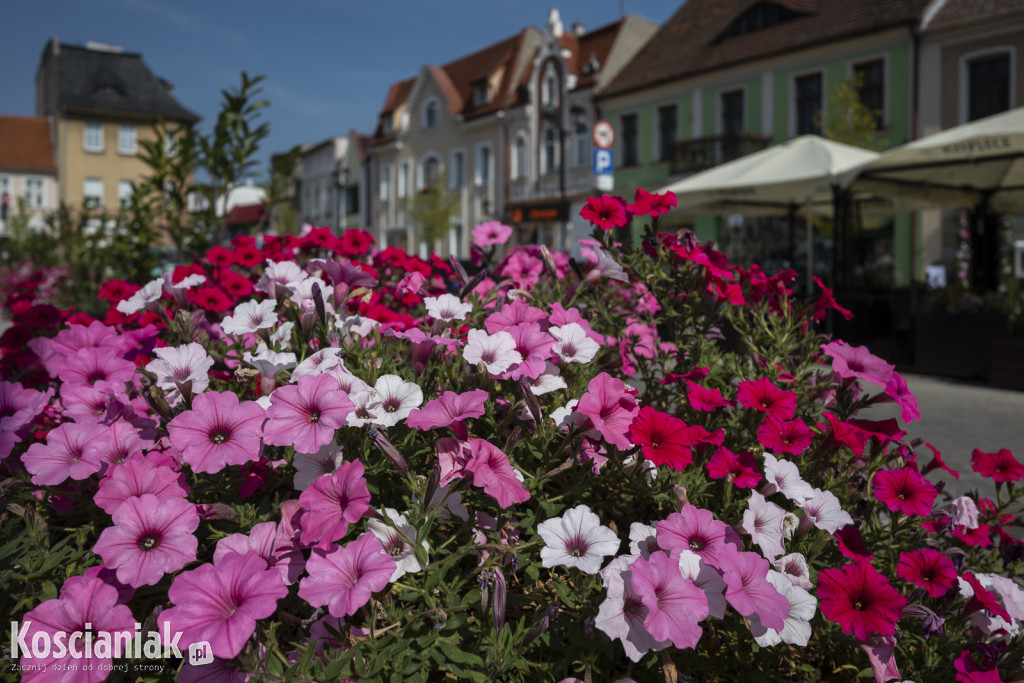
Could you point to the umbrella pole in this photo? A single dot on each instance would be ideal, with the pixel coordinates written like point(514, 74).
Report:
point(810, 249)
point(792, 235)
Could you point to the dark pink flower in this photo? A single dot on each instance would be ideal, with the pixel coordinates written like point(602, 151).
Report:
point(305, 415)
point(857, 362)
point(492, 471)
point(345, 578)
point(82, 601)
point(151, 537)
point(664, 439)
point(648, 204)
point(938, 463)
point(534, 345)
point(331, 503)
point(221, 603)
point(606, 212)
point(905, 490)
point(785, 436)
point(611, 409)
point(738, 468)
point(449, 410)
point(697, 530)
point(860, 600)
point(929, 569)
point(19, 406)
point(218, 431)
point(102, 368)
point(71, 450)
point(761, 395)
point(137, 477)
point(705, 399)
point(278, 552)
point(515, 313)
point(898, 390)
point(675, 605)
point(851, 544)
point(1000, 466)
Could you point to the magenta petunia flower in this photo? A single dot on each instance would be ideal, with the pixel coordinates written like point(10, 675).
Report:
point(738, 468)
point(71, 450)
point(790, 437)
point(137, 477)
point(221, 603)
point(675, 606)
point(491, 233)
point(899, 392)
point(82, 601)
point(748, 589)
point(623, 612)
point(305, 415)
point(697, 530)
point(449, 410)
point(331, 503)
point(534, 345)
point(577, 539)
point(1001, 466)
point(279, 553)
point(151, 537)
point(704, 398)
point(102, 368)
point(905, 490)
point(514, 313)
point(860, 600)
point(606, 212)
point(218, 431)
point(611, 409)
point(19, 406)
point(857, 362)
point(346, 577)
point(492, 472)
point(763, 396)
point(929, 569)
point(648, 204)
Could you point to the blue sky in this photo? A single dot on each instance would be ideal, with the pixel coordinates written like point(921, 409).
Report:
point(328, 62)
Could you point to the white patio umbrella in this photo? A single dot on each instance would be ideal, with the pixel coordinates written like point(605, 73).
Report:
point(803, 172)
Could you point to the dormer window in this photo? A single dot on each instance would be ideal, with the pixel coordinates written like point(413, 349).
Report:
point(431, 113)
point(481, 93)
point(386, 125)
point(761, 16)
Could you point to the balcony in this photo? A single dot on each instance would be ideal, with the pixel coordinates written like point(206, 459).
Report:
point(578, 181)
point(699, 154)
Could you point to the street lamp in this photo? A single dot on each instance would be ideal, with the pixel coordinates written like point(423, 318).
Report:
point(341, 174)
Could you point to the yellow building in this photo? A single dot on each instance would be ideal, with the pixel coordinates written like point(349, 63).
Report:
point(103, 103)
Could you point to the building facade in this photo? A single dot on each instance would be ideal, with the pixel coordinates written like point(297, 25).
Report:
point(28, 175)
point(103, 102)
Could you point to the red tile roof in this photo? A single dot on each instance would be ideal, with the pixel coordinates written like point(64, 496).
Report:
point(953, 13)
point(25, 144)
point(598, 44)
point(690, 42)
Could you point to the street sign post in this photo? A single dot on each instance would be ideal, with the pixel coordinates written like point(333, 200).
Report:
point(603, 161)
point(603, 134)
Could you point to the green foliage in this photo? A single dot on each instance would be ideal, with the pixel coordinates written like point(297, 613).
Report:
point(849, 120)
point(432, 210)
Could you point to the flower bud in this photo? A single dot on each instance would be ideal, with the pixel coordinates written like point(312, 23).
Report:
point(531, 401)
point(155, 398)
point(499, 600)
point(389, 451)
point(549, 263)
point(459, 271)
point(468, 287)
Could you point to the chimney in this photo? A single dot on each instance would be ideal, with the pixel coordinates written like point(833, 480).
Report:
point(168, 86)
point(578, 28)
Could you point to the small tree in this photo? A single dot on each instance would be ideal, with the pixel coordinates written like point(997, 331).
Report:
point(433, 208)
point(849, 120)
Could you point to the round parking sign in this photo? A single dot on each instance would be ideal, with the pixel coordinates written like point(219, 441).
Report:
point(604, 134)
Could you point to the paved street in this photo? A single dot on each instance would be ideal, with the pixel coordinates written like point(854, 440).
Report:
point(956, 418)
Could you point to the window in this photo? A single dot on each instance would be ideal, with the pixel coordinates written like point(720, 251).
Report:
point(93, 137)
point(550, 91)
point(760, 16)
point(94, 191)
point(520, 158)
point(732, 112)
point(124, 193)
point(430, 172)
point(431, 113)
point(808, 104)
point(458, 173)
point(6, 200)
point(550, 153)
point(481, 94)
point(126, 140)
point(581, 143)
point(630, 142)
point(34, 192)
point(483, 165)
point(668, 131)
point(170, 143)
point(870, 79)
point(385, 124)
point(351, 199)
point(385, 182)
point(403, 179)
point(988, 86)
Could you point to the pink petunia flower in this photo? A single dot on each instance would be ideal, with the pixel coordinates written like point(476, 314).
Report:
point(534, 345)
point(330, 504)
point(496, 351)
point(306, 415)
point(899, 392)
point(1001, 466)
point(763, 396)
point(577, 539)
point(279, 554)
point(860, 600)
point(748, 589)
point(137, 477)
point(675, 606)
point(491, 233)
point(221, 603)
point(905, 490)
point(345, 578)
point(151, 537)
point(19, 406)
point(83, 601)
point(71, 450)
point(851, 362)
point(449, 410)
point(611, 409)
point(929, 569)
point(103, 368)
point(697, 530)
point(519, 311)
point(622, 614)
point(218, 431)
point(788, 437)
point(740, 469)
point(492, 471)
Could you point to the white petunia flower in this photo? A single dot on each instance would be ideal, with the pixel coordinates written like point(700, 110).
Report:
point(176, 365)
point(763, 521)
point(496, 351)
point(796, 629)
point(250, 317)
point(550, 380)
point(707, 578)
point(794, 566)
point(824, 511)
point(573, 345)
point(784, 476)
point(317, 363)
point(577, 539)
point(150, 293)
point(397, 399)
point(447, 307)
point(397, 541)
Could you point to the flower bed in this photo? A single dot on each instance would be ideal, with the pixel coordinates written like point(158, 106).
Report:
point(317, 460)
